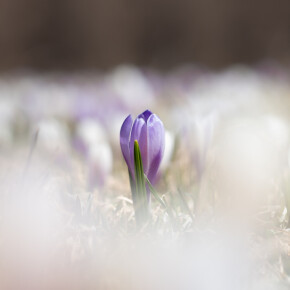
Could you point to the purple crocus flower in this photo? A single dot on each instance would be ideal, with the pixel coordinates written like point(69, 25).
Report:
point(148, 130)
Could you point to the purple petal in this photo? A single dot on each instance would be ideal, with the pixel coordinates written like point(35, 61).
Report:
point(139, 133)
point(145, 115)
point(156, 143)
point(125, 139)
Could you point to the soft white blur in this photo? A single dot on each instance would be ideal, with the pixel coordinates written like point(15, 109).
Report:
point(168, 150)
point(53, 135)
point(66, 214)
point(93, 145)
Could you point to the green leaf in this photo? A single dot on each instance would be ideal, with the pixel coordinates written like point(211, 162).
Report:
point(160, 200)
point(139, 192)
point(133, 186)
point(154, 192)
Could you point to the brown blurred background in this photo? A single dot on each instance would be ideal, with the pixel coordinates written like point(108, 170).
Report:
point(79, 34)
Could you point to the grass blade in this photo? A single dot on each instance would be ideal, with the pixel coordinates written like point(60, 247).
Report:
point(141, 200)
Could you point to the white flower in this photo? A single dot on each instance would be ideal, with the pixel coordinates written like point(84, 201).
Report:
point(168, 150)
point(53, 135)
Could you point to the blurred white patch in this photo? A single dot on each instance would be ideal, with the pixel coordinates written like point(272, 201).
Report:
point(249, 158)
point(168, 151)
point(7, 115)
point(114, 129)
point(93, 144)
point(31, 222)
point(132, 86)
point(53, 135)
point(202, 130)
point(278, 131)
point(6, 133)
point(100, 162)
point(90, 132)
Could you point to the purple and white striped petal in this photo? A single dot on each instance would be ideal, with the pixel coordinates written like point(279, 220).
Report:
point(139, 133)
point(145, 115)
point(125, 139)
point(148, 130)
point(156, 144)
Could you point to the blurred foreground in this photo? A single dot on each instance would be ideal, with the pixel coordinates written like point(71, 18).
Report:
point(67, 220)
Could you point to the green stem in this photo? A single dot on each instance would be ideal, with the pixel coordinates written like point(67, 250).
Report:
point(138, 189)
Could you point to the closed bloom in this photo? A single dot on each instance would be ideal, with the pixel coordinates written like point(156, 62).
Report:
point(148, 130)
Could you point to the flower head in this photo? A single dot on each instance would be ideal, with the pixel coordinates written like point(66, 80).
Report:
point(148, 130)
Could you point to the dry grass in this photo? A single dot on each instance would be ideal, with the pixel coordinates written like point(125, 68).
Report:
point(227, 227)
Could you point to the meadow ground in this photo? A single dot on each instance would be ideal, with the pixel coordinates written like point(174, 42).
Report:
point(66, 214)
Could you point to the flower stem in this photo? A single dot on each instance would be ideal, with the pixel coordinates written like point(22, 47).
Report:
point(138, 189)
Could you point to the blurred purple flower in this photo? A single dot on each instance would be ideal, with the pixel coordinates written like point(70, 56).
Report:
point(148, 130)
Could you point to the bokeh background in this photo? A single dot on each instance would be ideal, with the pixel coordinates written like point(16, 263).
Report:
point(217, 75)
point(90, 34)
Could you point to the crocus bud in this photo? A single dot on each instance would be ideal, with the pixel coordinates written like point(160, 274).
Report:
point(148, 130)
